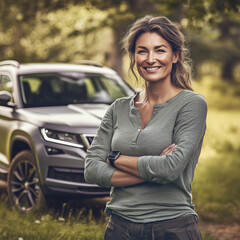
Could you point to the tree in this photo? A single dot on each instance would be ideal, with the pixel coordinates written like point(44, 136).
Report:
point(46, 33)
point(212, 25)
point(217, 24)
point(18, 19)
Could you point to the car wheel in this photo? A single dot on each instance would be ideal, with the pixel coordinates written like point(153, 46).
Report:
point(23, 184)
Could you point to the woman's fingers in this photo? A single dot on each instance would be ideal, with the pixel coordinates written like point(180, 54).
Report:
point(166, 150)
point(169, 149)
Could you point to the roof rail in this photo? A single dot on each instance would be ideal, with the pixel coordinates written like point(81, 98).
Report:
point(88, 62)
point(10, 62)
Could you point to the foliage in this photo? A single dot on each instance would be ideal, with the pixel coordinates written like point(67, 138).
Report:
point(61, 30)
point(215, 32)
point(54, 38)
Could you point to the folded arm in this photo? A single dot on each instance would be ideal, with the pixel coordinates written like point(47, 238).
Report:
point(127, 173)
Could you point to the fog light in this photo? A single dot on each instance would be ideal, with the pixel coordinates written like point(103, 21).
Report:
point(52, 151)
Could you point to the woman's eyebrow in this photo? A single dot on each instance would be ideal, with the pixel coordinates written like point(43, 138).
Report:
point(162, 45)
point(156, 47)
point(141, 47)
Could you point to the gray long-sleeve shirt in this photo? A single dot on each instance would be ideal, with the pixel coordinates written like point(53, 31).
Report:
point(166, 194)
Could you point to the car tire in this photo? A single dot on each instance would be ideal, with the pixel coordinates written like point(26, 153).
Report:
point(23, 185)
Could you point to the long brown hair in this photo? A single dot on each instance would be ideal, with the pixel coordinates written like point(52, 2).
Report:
point(181, 76)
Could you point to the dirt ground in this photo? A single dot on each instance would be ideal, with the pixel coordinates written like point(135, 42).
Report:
point(221, 231)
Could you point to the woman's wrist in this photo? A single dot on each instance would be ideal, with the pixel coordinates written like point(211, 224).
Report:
point(127, 164)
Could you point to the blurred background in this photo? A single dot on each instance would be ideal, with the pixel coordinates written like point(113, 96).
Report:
point(70, 30)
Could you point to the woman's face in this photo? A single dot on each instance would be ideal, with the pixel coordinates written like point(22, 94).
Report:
point(154, 57)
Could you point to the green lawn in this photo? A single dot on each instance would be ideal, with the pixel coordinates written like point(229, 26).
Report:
point(71, 225)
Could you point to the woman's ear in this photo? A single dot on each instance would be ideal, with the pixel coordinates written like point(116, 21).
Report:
point(175, 57)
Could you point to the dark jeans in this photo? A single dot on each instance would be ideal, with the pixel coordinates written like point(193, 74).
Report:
point(182, 228)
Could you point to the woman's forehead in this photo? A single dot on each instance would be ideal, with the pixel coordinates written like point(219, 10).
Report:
point(151, 39)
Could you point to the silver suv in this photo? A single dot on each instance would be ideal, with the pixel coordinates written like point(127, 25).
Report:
point(49, 115)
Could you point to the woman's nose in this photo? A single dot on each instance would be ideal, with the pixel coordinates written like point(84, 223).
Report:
point(151, 58)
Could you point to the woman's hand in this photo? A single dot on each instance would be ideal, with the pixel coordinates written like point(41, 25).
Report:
point(168, 150)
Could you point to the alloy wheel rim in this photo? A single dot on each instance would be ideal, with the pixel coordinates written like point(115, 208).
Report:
point(24, 186)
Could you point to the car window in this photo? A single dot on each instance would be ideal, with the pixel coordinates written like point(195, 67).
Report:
point(112, 88)
point(70, 88)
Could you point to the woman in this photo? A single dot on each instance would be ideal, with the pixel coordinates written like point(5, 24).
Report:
point(156, 137)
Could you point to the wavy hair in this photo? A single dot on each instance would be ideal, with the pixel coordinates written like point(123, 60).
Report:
point(181, 75)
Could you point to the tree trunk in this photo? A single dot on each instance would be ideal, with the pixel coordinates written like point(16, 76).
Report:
point(228, 69)
point(116, 53)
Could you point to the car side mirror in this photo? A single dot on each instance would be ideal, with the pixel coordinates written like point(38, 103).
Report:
point(5, 98)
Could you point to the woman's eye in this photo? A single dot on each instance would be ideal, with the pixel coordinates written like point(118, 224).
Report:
point(160, 50)
point(141, 52)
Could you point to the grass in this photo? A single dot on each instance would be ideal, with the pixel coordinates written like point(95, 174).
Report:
point(50, 225)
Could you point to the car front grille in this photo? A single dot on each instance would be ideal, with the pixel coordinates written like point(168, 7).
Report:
point(66, 174)
point(90, 139)
point(87, 139)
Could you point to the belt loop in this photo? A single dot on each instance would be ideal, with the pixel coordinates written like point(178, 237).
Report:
point(153, 235)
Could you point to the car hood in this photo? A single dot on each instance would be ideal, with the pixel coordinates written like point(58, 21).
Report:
point(75, 115)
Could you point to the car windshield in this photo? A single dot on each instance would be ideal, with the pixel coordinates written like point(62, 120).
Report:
point(56, 89)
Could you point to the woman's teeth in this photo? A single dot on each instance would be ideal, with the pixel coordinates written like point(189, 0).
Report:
point(152, 68)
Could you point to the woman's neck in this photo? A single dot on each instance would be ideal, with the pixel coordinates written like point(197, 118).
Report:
point(158, 92)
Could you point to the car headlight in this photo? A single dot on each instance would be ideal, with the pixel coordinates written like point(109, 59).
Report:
point(64, 138)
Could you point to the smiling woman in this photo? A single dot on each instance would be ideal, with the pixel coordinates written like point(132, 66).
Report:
point(148, 145)
point(170, 37)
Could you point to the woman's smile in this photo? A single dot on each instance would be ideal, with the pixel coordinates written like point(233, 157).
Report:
point(151, 69)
